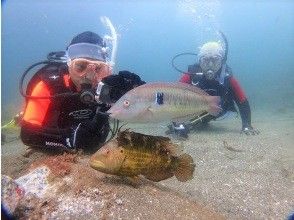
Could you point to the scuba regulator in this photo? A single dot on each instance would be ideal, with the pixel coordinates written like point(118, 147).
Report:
point(87, 95)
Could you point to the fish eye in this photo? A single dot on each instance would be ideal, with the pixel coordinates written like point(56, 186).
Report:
point(121, 151)
point(126, 103)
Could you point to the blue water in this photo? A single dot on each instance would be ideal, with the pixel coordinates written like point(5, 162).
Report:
point(260, 35)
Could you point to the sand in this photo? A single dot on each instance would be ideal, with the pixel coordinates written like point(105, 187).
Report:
point(237, 177)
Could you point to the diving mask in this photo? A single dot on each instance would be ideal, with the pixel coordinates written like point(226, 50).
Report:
point(85, 70)
point(81, 66)
point(210, 65)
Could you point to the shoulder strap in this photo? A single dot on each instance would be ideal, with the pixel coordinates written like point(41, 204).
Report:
point(52, 74)
point(226, 72)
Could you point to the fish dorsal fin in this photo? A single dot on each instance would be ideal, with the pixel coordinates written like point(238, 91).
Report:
point(124, 138)
point(172, 148)
point(180, 85)
point(129, 139)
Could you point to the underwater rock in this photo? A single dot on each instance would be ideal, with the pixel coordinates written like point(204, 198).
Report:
point(11, 193)
point(66, 187)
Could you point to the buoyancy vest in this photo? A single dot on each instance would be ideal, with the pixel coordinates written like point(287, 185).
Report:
point(66, 111)
point(219, 87)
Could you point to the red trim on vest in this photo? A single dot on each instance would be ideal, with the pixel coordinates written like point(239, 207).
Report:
point(66, 80)
point(36, 109)
point(185, 78)
point(238, 91)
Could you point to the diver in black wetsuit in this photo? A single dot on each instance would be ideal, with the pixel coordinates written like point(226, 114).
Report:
point(213, 75)
point(60, 111)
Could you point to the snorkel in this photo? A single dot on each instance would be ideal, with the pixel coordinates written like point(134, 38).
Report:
point(111, 40)
point(226, 44)
point(108, 40)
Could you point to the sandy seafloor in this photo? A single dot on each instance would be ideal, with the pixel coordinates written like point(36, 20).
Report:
point(251, 178)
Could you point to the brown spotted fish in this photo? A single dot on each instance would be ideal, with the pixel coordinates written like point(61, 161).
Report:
point(132, 154)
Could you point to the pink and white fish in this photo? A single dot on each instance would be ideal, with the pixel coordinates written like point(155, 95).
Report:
point(160, 102)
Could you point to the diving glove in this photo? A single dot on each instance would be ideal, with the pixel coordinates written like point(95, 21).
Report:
point(115, 86)
point(249, 130)
point(90, 133)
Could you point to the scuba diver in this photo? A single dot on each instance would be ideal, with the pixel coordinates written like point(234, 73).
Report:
point(213, 75)
point(66, 99)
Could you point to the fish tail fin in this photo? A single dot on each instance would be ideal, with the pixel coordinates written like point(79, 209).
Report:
point(185, 169)
point(214, 103)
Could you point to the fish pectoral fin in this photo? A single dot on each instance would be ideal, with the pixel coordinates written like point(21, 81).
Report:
point(148, 113)
point(150, 110)
point(158, 176)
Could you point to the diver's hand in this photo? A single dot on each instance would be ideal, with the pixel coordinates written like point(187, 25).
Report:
point(98, 121)
point(87, 131)
point(117, 85)
point(249, 130)
point(124, 80)
point(132, 79)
